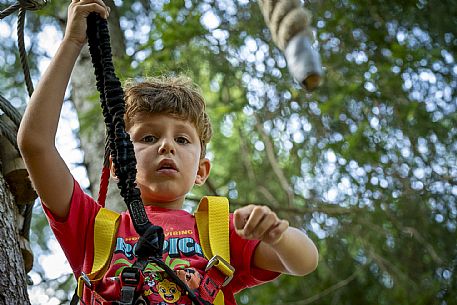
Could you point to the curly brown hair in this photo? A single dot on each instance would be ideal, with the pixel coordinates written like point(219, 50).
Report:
point(177, 96)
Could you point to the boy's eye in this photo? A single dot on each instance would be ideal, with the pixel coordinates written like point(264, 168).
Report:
point(182, 140)
point(149, 139)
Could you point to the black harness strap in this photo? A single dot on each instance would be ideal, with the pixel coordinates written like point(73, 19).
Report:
point(150, 244)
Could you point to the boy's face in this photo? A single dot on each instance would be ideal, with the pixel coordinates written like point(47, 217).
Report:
point(167, 151)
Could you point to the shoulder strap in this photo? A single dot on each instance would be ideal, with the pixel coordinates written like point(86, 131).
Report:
point(212, 217)
point(105, 228)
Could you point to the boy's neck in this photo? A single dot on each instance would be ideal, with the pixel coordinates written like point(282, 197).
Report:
point(174, 205)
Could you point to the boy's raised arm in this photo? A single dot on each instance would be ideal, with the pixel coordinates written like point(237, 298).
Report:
point(36, 136)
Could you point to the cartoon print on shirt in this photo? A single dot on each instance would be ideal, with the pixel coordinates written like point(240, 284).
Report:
point(162, 288)
point(149, 285)
point(169, 291)
point(159, 284)
point(157, 287)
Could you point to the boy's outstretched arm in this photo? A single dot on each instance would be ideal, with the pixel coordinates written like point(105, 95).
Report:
point(36, 136)
point(282, 248)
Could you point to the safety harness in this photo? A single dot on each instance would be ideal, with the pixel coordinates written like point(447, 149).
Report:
point(212, 218)
point(210, 221)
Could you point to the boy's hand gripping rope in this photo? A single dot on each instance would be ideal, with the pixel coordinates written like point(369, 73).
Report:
point(119, 146)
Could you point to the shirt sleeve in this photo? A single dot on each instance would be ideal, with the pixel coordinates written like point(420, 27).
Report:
point(241, 257)
point(75, 232)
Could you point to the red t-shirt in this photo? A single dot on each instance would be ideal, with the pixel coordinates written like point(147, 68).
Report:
point(182, 252)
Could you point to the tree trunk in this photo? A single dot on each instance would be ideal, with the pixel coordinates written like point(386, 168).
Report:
point(13, 285)
point(83, 89)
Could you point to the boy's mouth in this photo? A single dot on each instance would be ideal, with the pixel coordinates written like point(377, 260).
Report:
point(167, 165)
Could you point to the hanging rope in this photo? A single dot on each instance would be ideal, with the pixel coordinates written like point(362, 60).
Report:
point(22, 51)
point(23, 6)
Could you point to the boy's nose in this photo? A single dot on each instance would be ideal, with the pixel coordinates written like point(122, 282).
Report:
point(166, 147)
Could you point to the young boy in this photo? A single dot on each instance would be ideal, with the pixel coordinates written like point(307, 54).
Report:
point(169, 128)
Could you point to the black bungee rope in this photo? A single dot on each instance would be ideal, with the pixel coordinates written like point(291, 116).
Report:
point(112, 101)
point(120, 147)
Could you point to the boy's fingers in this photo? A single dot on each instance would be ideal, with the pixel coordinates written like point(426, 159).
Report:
point(268, 222)
point(241, 216)
point(276, 233)
point(258, 222)
point(249, 218)
point(97, 6)
point(256, 218)
point(238, 221)
point(100, 2)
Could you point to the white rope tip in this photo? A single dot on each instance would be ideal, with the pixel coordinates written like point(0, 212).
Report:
point(304, 62)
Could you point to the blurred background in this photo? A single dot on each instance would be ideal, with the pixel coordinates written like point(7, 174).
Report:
point(366, 164)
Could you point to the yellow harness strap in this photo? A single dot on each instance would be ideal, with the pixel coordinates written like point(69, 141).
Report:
point(105, 228)
point(212, 217)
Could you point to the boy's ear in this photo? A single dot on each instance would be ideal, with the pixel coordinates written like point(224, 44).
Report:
point(112, 173)
point(204, 168)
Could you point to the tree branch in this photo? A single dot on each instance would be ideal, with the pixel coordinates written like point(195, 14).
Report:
point(386, 265)
point(270, 151)
point(117, 36)
point(413, 232)
point(268, 195)
point(251, 174)
point(325, 292)
point(210, 186)
point(331, 289)
point(244, 153)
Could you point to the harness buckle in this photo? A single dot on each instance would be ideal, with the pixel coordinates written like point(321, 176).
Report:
point(131, 281)
point(83, 281)
point(86, 279)
point(130, 276)
point(223, 266)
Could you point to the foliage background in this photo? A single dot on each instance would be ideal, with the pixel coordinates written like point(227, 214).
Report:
point(366, 164)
